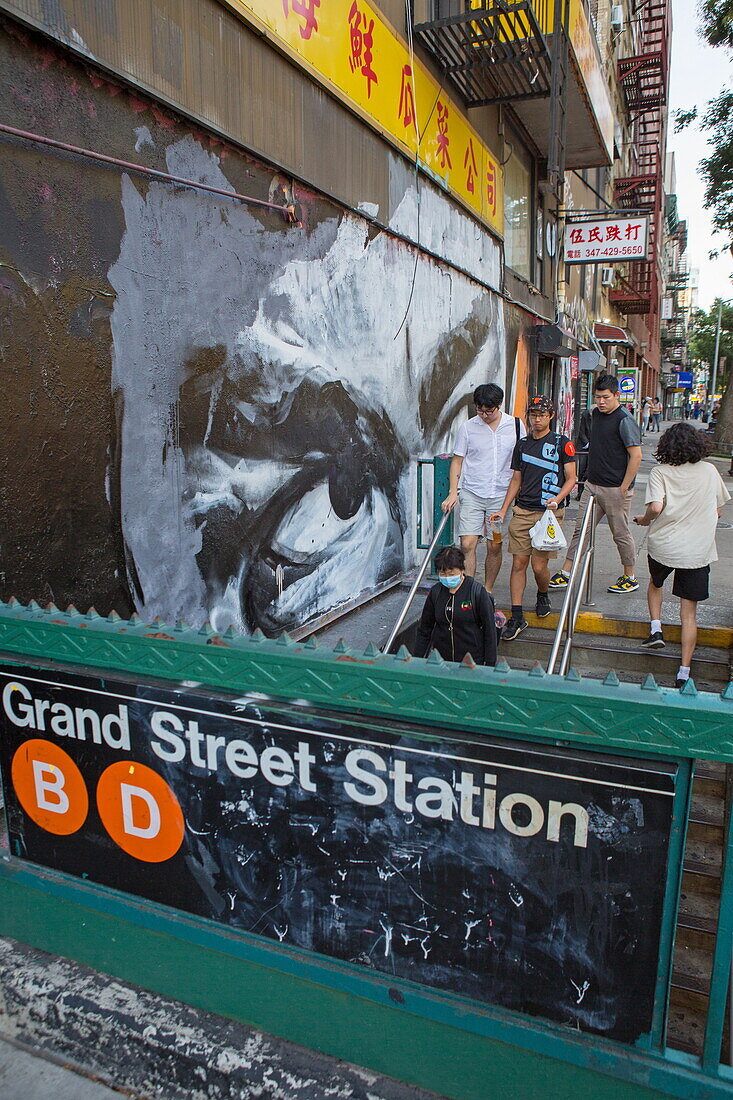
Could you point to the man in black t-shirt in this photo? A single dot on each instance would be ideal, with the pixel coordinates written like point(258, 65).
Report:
point(544, 476)
point(614, 455)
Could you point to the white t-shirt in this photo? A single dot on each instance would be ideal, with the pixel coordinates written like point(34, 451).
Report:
point(487, 454)
point(683, 534)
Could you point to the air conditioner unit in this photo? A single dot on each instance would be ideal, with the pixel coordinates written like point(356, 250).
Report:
point(617, 17)
point(608, 276)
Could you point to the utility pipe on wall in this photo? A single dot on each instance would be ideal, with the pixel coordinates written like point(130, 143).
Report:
point(287, 211)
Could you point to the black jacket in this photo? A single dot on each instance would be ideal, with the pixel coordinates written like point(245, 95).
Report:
point(459, 622)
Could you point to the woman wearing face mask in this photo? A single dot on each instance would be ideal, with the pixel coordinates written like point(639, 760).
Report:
point(458, 616)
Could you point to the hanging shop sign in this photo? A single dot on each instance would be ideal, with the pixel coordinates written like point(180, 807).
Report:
point(684, 379)
point(355, 53)
point(467, 863)
point(600, 240)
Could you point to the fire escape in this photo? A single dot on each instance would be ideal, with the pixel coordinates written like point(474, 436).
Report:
point(644, 81)
point(674, 332)
point(503, 51)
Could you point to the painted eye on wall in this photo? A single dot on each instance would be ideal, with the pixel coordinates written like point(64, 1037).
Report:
point(315, 559)
point(316, 523)
point(348, 484)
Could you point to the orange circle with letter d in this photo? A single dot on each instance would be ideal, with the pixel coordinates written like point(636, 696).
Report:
point(139, 811)
point(50, 787)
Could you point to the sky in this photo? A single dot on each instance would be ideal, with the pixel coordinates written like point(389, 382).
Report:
point(698, 72)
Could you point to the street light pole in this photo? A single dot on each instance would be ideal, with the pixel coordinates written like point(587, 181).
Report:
point(715, 357)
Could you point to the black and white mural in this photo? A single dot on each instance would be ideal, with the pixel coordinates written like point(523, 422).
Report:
point(268, 432)
point(209, 413)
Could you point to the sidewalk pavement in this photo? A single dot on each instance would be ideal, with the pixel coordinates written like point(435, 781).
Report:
point(29, 1075)
point(717, 611)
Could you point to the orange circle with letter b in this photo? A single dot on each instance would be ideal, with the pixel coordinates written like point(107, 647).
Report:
point(50, 787)
point(139, 811)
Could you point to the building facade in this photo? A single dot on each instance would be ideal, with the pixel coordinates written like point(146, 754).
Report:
point(260, 252)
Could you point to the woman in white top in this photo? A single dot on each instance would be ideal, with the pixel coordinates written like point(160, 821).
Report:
point(684, 497)
point(646, 415)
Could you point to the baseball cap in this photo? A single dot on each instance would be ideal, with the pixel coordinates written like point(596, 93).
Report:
point(541, 404)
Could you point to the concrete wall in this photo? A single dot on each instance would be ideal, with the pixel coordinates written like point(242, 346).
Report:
point(209, 413)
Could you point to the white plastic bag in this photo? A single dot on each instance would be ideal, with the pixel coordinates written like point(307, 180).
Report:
point(547, 532)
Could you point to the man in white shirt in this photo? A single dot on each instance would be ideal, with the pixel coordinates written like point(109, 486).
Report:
point(482, 457)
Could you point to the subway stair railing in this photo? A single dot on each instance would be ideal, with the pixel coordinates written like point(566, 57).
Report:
point(579, 582)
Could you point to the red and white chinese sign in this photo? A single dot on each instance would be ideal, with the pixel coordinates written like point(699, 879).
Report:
point(606, 240)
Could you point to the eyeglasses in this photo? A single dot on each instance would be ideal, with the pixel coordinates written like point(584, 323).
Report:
point(483, 411)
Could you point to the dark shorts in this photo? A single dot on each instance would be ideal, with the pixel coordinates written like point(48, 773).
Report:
point(689, 584)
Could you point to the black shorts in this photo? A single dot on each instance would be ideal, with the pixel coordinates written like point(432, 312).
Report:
point(689, 584)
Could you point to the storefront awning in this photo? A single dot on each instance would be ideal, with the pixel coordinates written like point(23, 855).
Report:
point(550, 341)
point(610, 334)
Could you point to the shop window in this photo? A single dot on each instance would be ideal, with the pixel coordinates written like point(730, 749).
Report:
point(518, 220)
point(546, 376)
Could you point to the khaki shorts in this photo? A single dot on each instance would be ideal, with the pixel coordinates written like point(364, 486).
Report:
point(474, 512)
point(521, 523)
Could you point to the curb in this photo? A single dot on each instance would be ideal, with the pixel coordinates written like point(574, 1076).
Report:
point(593, 622)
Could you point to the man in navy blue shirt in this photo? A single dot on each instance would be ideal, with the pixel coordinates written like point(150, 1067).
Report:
point(544, 476)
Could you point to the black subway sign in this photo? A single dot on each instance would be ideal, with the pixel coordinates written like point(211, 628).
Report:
point(520, 875)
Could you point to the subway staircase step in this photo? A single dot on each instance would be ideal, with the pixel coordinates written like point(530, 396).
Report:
point(692, 969)
point(710, 778)
point(705, 822)
point(703, 858)
point(685, 1028)
point(594, 654)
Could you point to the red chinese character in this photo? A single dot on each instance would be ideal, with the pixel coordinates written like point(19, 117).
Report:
point(491, 189)
point(306, 10)
point(576, 236)
point(613, 233)
point(469, 163)
point(442, 136)
point(631, 228)
point(595, 234)
point(406, 109)
point(362, 41)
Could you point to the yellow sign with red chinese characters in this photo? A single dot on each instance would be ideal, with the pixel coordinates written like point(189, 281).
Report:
point(347, 45)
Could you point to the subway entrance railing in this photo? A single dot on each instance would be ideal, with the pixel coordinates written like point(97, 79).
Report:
point(467, 878)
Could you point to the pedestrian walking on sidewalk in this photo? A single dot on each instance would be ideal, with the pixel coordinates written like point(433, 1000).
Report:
point(458, 614)
point(656, 415)
point(482, 455)
point(614, 455)
point(646, 415)
point(544, 477)
point(684, 496)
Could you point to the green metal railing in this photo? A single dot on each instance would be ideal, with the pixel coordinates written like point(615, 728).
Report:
point(342, 1009)
point(440, 466)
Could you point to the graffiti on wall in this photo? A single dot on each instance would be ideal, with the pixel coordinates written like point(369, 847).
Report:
point(271, 400)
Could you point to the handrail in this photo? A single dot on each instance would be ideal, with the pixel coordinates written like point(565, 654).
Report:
point(571, 603)
point(415, 585)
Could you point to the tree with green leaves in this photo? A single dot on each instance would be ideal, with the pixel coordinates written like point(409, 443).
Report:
point(702, 347)
point(716, 27)
point(703, 327)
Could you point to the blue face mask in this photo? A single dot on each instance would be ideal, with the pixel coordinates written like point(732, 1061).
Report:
point(451, 582)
